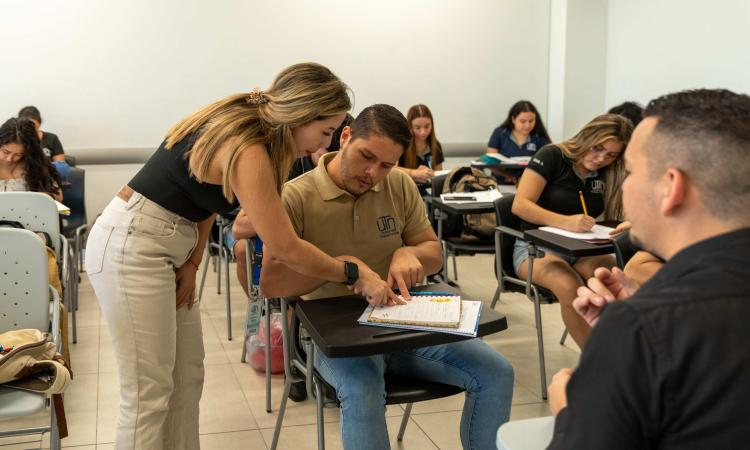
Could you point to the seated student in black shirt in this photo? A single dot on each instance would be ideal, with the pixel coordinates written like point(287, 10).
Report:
point(548, 194)
point(668, 368)
point(50, 143)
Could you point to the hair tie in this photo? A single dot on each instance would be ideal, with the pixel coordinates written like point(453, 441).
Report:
point(257, 97)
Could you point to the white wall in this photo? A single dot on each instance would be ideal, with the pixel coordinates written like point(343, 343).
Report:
point(585, 63)
point(660, 46)
point(119, 73)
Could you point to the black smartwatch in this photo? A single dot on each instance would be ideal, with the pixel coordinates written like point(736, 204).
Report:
point(351, 270)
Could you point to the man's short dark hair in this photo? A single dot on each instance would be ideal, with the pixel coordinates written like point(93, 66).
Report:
point(705, 133)
point(631, 110)
point(30, 112)
point(382, 120)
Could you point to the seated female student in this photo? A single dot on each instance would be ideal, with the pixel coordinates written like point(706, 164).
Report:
point(521, 134)
point(425, 154)
point(51, 145)
point(548, 194)
point(23, 165)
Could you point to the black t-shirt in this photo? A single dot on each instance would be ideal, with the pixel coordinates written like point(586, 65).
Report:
point(560, 195)
point(166, 180)
point(669, 367)
point(51, 145)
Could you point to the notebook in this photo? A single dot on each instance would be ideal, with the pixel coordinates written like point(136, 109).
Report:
point(468, 325)
point(599, 234)
point(423, 310)
point(62, 209)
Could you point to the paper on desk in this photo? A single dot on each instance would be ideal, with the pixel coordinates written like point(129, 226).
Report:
point(510, 159)
point(62, 209)
point(437, 173)
point(472, 197)
point(468, 326)
point(598, 232)
point(426, 310)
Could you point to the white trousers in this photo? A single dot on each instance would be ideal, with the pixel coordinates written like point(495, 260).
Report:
point(132, 253)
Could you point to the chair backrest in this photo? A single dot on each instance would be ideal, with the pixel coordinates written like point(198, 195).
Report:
point(624, 248)
point(505, 217)
point(36, 211)
point(24, 282)
point(73, 198)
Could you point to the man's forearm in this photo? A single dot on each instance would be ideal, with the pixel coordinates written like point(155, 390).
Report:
point(430, 255)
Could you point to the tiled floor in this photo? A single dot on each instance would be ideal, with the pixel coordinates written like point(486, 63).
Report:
point(233, 406)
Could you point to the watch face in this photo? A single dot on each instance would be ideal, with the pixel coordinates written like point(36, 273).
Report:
point(351, 271)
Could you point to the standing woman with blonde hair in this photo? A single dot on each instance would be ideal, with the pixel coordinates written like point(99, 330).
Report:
point(425, 154)
point(548, 194)
point(143, 252)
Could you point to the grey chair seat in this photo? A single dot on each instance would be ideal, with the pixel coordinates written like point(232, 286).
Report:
point(20, 403)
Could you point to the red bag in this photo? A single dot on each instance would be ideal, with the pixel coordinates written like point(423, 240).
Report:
point(256, 346)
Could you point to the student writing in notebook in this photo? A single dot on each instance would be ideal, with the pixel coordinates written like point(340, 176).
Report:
point(353, 203)
point(548, 194)
point(23, 166)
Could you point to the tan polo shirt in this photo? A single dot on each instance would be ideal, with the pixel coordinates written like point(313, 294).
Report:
point(370, 227)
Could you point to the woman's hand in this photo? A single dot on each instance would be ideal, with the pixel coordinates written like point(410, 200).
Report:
point(421, 174)
point(579, 223)
point(623, 226)
point(373, 288)
point(185, 278)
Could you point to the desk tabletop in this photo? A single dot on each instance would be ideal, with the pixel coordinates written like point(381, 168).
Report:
point(477, 164)
point(332, 324)
point(462, 208)
point(565, 245)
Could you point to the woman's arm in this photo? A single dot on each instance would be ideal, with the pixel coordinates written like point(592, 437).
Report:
point(525, 206)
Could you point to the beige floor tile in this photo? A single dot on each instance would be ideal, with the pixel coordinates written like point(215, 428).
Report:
point(107, 407)
point(304, 437)
point(443, 428)
point(223, 405)
point(236, 440)
point(85, 354)
point(529, 411)
point(81, 410)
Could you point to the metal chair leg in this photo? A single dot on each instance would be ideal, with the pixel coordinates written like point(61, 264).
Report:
point(218, 266)
point(282, 410)
point(203, 275)
point(228, 291)
point(540, 344)
point(321, 422)
point(496, 297)
point(563, 337)
point(267, 307)
point(404, 422)
point(455, 269)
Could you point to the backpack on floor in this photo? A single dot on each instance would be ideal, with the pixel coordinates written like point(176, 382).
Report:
point(469, 179)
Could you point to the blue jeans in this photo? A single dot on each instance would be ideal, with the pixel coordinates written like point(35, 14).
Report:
point(359, 382)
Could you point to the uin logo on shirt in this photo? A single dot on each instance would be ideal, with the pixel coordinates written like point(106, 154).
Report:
point(387, 226)
point(598, 187)
point(531, 147)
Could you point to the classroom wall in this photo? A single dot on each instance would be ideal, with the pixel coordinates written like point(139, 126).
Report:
point(585, 63)
point(117, 74)
point(660, 46)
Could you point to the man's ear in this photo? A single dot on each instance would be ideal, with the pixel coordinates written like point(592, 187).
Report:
point(346, 135)
point(672, 191)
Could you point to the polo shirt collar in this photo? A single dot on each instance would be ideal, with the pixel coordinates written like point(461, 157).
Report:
point(327, 188)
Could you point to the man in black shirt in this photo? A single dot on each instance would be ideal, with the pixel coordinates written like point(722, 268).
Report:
point(669, 367)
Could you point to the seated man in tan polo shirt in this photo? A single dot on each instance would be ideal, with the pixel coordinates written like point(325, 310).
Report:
point(352, 203)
